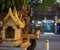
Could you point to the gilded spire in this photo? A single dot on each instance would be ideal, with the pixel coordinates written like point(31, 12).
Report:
point(24, 5)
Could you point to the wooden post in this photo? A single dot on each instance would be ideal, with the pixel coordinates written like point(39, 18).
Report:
point(47, 44)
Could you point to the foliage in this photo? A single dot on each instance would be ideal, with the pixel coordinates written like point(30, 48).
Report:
point(8, 3)
point(27, 2)
point(3, 6)
point(46, 3)
point(49, 2)
point(21, 2)
point(41, 8)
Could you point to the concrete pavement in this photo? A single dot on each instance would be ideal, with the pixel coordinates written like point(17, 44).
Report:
point(54, 42)
point(52, 46)
point(10, 48)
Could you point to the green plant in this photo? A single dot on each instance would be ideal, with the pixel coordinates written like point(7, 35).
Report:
point(45, 4)
point(10, 3)
point(27, 2)
point(3, 6)
point(7, 4)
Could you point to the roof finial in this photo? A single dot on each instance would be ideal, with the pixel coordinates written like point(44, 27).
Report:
point(24, 5)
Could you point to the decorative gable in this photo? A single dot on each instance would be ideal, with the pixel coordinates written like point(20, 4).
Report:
point(15, 19)
point(10, 22)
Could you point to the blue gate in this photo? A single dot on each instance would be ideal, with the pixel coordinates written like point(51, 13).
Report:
point(48, 26)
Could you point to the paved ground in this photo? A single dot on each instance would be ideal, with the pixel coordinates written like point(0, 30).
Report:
point(53, 46)
point(41, 45)
point(10, 48)
point(54, 43)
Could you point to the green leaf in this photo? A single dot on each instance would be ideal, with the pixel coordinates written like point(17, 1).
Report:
point(7, 4)
point(46, 3)
point(12, 2)
point(3, 6)
point(27, 2)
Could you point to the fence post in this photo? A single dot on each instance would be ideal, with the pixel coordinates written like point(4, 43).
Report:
point(47, 44)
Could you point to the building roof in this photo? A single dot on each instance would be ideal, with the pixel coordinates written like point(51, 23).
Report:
point(14, 17)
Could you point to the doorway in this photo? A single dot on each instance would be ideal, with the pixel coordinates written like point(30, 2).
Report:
point(9, 32)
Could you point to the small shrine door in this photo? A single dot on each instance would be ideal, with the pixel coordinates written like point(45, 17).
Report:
point(9, 32)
